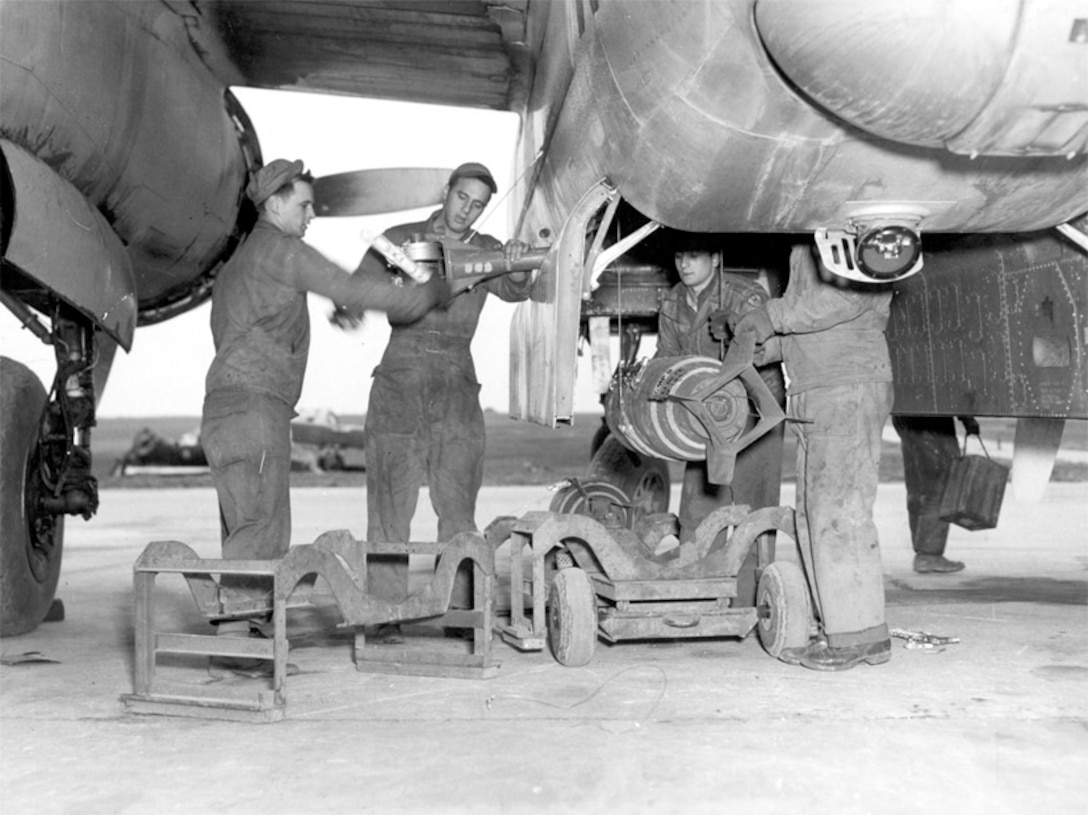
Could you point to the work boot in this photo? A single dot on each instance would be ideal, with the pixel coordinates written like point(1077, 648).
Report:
point(249, 667)
point(793, 656)
point(830, 658)
point(936, 564)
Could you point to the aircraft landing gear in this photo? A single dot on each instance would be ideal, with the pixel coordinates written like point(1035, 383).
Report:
point(46, 466)
point(31, 538)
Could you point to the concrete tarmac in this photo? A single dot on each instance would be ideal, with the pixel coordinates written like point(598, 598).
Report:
point(996, 723)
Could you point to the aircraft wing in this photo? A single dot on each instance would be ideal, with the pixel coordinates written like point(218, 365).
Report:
point(446, 52)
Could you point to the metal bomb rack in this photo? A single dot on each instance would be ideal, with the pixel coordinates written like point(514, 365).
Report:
point(341, 561)
point(574, 577)
point(591, 576)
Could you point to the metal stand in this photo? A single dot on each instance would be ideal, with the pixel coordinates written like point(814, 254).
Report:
point(341, 561)
point(152, 693)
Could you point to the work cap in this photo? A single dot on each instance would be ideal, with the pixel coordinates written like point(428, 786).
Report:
point(695, 241)
point(271, 177)
point(477, 171)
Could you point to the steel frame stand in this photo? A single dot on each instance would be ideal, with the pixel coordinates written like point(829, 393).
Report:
point(154, 694)
point(341, 561)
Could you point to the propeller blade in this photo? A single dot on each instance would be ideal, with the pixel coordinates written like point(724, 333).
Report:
point(374, 192)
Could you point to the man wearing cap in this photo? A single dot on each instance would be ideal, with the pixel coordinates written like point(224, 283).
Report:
point(693, 321)
point(424, 424)
point(261, 330)
point(831, 339)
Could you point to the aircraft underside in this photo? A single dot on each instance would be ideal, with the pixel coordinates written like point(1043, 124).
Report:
point(921, 143)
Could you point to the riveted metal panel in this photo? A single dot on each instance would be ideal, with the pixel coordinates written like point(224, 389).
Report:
point(993, 327)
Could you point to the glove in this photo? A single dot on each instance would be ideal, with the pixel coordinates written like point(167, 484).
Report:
point(720, 325)
point(756, 322)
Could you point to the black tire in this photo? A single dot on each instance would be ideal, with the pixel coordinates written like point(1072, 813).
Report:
point(572, 618)
point(645, 480)
point(782, 596)
point(30, 548)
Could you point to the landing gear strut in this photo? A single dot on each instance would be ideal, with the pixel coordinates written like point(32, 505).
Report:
point(45, 471)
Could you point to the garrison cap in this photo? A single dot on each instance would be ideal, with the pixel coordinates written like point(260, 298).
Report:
point(477, 171)
point(695, 241)
point(271, 177)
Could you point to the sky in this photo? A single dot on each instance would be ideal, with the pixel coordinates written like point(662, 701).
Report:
point(164, 373)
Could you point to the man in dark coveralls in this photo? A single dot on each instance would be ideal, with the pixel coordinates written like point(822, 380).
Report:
point(693, 321)
point(424, 424)
point(929, 447)
point(261, 328)
point(831, 339)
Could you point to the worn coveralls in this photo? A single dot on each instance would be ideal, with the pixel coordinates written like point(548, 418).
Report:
point(684, 330)
point(840, 388)
point(424, 423)
point(929, 445)
point(261, 330)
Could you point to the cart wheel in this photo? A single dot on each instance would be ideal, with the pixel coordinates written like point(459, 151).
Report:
point(572, 617)
point(782, 599)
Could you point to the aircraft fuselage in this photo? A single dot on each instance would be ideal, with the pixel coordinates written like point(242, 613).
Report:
point(681, 107)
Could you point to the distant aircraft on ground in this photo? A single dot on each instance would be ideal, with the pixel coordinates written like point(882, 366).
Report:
point(319, 442)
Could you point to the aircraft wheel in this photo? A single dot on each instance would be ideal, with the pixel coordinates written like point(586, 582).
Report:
point(782, 599)
point(572, 617)
point(645, 479)
point(31, 541)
